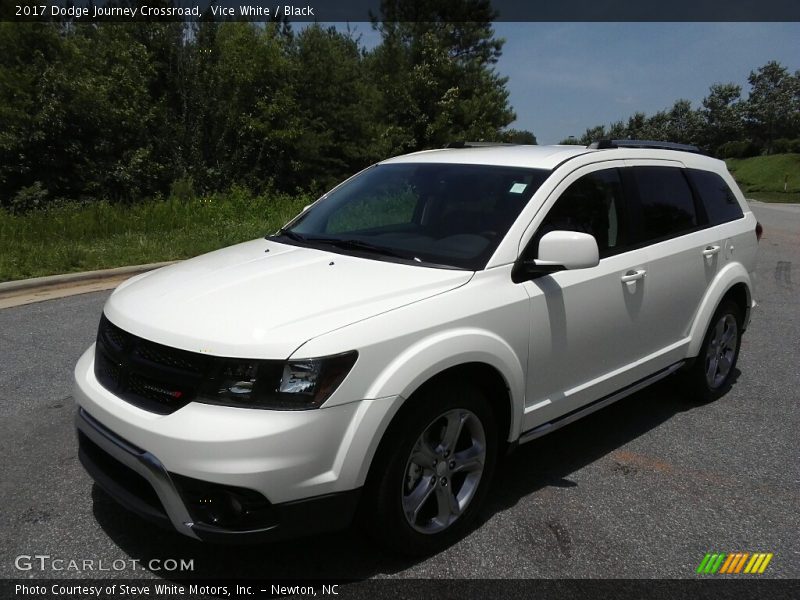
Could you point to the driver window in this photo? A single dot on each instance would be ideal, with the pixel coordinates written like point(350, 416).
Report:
point(592, 204)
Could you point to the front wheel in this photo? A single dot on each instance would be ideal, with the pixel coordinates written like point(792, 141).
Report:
point(433, 471)
point(711, 374)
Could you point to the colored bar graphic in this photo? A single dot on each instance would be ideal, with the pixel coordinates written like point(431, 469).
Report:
point(740, 564)
point(703, 563)
point(711, 562)
point(733, 558)
point(718, 563)
point(737, 557)
point(727, 564)
point(765, 563)
point(734, 563)
point(753, 561)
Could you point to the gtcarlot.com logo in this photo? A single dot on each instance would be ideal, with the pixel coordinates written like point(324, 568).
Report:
point(47, 562)
point(734, 563)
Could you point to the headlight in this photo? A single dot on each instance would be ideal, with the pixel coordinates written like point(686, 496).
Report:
point(289, 385)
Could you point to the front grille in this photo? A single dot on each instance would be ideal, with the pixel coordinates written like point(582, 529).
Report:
point(170, 357)
point(107, 373)
point(151, 376)
point(114, 335)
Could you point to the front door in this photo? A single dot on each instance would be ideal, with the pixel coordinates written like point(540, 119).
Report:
point(587, 332)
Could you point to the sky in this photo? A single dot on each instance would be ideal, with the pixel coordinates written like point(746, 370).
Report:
point(566, 77)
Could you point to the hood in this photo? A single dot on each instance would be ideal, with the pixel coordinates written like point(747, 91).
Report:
point(264, 299)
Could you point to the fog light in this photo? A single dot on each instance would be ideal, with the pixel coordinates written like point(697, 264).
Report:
point(224, 506)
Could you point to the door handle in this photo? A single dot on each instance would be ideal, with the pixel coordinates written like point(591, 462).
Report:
point(632, 276)
point(711, 251)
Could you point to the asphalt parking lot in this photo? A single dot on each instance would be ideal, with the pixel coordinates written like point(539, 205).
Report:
point(642, 489)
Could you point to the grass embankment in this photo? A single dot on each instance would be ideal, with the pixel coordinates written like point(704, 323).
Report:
point(100, 235)
point(762, 177)
point(75, 237)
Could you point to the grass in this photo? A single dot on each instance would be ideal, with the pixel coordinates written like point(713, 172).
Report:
point(762, 177)
point(82, 237)
point(74, 237)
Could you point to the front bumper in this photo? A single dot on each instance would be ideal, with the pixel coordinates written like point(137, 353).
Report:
point(284, 455)
point(299, 470)
point(141, 483)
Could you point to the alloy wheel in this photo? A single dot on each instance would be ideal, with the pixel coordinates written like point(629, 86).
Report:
point(443, 471)
point(721, 351)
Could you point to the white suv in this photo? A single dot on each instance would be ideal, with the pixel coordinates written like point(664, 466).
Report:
point(379, 354)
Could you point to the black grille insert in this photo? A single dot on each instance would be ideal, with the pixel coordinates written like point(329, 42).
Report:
point(151, 376)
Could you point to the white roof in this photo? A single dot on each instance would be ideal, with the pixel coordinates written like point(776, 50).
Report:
point(547, 157)
point(540, 157)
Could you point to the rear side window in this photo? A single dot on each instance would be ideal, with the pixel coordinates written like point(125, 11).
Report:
point(718, 199)
point(667, 204)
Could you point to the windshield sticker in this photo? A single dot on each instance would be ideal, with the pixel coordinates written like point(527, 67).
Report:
point(518, 188)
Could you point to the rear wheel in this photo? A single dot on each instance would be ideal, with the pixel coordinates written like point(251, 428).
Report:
point(711, 374)
point(433, 470)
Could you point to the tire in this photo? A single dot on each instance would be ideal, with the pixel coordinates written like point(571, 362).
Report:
point(712, 372)
point(426, 490)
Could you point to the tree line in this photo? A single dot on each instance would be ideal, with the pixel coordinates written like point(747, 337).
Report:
point(127, 111)
point(726, 124)
point(131, 111)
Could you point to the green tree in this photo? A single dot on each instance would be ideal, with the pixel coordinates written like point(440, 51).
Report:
point(683, 123)
point(773, 104)
point(435, 66)
point(518, 136)
point(246, 121)
point(27, 50)
point(337, 107)
point(722, 116)
point(168, 54)
point(657, 127)
point(77, 112)
point(635, 126)
point(618, 130)
point(592, 134)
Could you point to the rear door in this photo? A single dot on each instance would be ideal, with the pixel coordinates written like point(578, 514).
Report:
point(721, 207)
point(683, 255)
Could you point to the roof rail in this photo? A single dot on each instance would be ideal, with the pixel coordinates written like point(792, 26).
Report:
point(478, 144)
point(606, 144)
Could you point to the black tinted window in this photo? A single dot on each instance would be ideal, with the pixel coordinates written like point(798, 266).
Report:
point(592, 204)
point(666, 200)
point(720, 203)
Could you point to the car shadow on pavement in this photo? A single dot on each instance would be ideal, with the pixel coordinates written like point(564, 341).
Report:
point(549, 461)
point(349, 555)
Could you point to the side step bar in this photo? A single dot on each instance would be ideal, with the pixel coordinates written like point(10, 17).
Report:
point(578, 413)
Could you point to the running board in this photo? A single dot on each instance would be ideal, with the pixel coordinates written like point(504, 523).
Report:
point(576, 414)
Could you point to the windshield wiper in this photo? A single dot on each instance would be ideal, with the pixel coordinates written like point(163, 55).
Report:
point(291, 235)
point(345, 244)
point(350, 244)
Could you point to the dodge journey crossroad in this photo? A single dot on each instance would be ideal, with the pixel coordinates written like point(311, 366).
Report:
point(376, 357)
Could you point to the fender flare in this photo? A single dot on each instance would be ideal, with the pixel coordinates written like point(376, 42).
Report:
point(729, 276)
point(446, 349)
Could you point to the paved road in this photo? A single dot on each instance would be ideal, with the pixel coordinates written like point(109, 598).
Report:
point(642, 489)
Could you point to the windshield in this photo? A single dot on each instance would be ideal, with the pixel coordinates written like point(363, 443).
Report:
point(444, 214)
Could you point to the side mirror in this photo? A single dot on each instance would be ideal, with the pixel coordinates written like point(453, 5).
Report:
point(559, 251)
point(568, 249)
